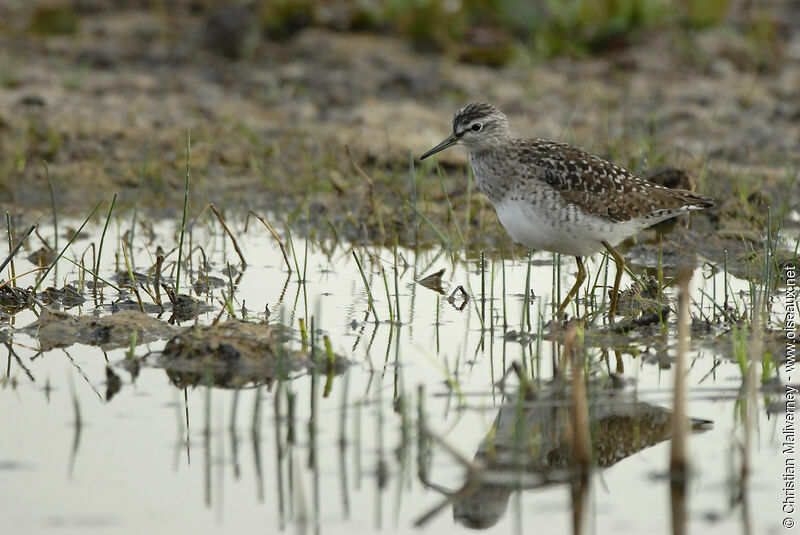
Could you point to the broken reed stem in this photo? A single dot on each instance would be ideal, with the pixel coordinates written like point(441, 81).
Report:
point(96, 266)
point(64, 250)
point(371, 185)
point(581, 441)
point(277, 239)
point(680, 425)
point(230, 234)
point(183, 219)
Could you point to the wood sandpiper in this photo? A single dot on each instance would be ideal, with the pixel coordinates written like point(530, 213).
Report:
point(559, 198)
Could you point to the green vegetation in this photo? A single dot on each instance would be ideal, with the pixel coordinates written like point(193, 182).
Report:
point(282, 18)
point(492, 31)
point(54, 20)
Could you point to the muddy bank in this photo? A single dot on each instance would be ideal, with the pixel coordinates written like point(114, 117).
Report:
point(231, 354)
point(109, 106)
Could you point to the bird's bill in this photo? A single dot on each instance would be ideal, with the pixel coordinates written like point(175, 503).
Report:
point(449, 142)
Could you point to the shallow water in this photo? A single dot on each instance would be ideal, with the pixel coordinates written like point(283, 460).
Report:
point(351, 462)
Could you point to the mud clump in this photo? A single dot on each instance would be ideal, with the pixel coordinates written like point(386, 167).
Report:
point(56, 329)
point(184, 307)
point(14, 299)
point(68, 296)
point(233, 354)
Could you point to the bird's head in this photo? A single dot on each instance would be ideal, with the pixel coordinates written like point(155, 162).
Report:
point(478, 126)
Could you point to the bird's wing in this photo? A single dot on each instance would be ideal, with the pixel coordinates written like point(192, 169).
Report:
point(601, 188)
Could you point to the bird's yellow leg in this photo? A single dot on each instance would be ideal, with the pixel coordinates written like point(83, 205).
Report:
point(620, 262)
point(581, 277)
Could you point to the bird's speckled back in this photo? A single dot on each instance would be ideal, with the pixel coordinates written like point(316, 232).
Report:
point(554, 196)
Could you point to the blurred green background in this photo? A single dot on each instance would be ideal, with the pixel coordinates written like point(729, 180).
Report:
point(480, 31)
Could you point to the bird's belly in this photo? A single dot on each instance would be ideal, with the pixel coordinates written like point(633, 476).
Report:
point(565, 230)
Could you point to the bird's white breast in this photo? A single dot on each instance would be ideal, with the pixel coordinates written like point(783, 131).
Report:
point(559, 228)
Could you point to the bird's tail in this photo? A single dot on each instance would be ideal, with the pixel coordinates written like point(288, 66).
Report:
point(695, 201)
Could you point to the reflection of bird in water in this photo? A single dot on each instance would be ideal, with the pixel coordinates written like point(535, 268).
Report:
point(528, 446)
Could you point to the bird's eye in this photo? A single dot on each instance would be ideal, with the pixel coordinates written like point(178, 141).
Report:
point(477, 127)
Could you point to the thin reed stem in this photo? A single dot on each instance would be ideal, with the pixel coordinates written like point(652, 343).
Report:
point(51, 185)
point(183, 218)
point(64, 250)
point(102, 240)
point(366, 287)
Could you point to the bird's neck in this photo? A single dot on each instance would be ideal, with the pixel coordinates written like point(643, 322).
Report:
point(486, 147)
